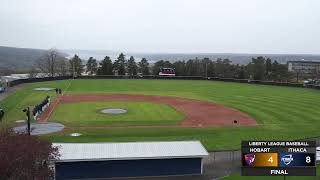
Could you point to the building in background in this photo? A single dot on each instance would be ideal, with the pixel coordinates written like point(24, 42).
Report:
point(304, 68)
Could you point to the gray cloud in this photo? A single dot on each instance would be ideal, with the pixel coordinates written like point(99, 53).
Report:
point(239, 26)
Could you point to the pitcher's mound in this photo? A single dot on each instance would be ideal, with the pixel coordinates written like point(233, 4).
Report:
point(43, 89)
point(114, 111)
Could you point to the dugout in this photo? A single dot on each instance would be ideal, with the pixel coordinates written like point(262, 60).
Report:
point(132, 159)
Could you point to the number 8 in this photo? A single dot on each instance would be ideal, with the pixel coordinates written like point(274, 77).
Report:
point(308, 159)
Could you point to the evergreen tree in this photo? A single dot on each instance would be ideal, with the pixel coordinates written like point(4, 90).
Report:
point(76, 66)
point(144, 66)
point(227, 68)
point(190, 68)
point(132, 66)
point(92, 66)
point(207, 67)
point(241, 74)
point(220, 68)
point(258, 68)
point(120, 64)
point(180, 68)
point(268, 74)
point(275, 71)
point(105, 67)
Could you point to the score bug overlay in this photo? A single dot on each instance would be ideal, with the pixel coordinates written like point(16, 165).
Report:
point(278, 158)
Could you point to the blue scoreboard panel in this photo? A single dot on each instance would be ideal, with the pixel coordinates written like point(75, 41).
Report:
point(278, 158)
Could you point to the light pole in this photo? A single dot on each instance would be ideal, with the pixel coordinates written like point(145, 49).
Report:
point(74, 69)
point(206, 70)
point(27, 111)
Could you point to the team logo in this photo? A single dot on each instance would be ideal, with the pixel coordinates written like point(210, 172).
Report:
point(287, 159)
point(249, 158)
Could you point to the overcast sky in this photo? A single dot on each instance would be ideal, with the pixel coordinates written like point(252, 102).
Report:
point(173, 26)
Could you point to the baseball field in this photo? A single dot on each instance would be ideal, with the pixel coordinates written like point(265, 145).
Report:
point(219, 114)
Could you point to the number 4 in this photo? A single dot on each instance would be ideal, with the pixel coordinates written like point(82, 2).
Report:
point(270, 160)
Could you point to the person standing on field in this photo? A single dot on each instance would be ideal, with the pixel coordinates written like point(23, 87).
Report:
point(1, 114)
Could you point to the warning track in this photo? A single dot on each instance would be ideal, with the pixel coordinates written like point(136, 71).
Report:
point(198, 113)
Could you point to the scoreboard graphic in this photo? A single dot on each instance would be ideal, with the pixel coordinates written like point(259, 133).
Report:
point(278, 158)
point(261, 160)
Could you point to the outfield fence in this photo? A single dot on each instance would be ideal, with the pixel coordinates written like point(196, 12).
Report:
point(248, 81)
point(33, 80)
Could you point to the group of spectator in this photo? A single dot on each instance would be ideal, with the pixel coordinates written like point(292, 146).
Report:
point(38, 109)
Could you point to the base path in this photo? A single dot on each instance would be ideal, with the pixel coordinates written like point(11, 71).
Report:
point(198, 113)
point(44, 117)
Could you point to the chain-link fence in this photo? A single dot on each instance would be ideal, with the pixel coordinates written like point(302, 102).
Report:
point(31, 80)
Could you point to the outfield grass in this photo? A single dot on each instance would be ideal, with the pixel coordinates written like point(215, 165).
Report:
point(138, 113)
point(213, 138)
point(283, 112)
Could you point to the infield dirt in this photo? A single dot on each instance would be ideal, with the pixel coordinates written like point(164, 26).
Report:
point(198, 113)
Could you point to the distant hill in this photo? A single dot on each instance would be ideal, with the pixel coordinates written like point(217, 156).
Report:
point(19, 58)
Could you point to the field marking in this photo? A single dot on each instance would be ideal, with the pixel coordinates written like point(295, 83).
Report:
point(222, 177)
point(154, 126)
point(149, 126)
point(67, 87)
point(309, 124)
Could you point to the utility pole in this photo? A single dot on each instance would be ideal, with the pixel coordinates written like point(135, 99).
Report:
point(206, 70)
point(27, 111)
point(74, 69)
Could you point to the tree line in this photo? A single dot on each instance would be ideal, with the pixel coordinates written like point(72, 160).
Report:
point(53, 64)
point(260, 68)
point(121, 66)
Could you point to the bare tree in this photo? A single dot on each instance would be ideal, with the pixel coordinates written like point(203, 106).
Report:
point(49, 62)
point(33, 73)
point(62, 67)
